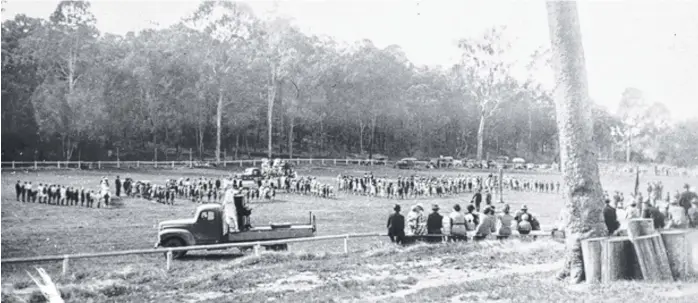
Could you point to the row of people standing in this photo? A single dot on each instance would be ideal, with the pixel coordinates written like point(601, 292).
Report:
point(55, 194)
point(412, 186)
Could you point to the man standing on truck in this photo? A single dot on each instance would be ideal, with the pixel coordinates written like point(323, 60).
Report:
point(230, 211)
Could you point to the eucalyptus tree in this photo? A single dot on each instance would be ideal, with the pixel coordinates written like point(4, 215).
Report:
point(65, 50)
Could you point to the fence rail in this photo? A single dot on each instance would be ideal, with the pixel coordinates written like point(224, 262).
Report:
point(169, 251)
point(173, 164)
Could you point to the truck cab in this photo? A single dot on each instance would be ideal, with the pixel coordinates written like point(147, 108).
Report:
point(208, 226)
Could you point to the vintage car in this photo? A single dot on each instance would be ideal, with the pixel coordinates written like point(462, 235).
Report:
point(406, 163)
point(208, 226)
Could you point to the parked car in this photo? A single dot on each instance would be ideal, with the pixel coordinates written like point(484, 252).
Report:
point(406, 163)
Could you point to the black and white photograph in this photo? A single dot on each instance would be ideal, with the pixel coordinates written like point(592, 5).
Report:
point(349, 151)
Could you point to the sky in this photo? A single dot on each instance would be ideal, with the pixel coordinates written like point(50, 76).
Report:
point(649, 45)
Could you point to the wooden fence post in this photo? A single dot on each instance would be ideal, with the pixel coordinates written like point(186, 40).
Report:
point(156, 163)
point(138, 163)
point(13, 164)
point(311, 161)
point(323, 161)
point(65, 265)
point(36, 166)
point(346, 244)
point(335, 162)
point(57, 163)
point(172, 164)
point(169, 260)
point(99, 164)
point(256, 250)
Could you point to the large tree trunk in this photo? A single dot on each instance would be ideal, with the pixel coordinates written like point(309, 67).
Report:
point(480, 137)
point(219, 118)
point(583, 207)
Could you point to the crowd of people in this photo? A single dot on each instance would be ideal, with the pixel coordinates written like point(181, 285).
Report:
point(55, 194)
point(528, 184)
point(667, 211)
point(455, 226)
point(413, 186)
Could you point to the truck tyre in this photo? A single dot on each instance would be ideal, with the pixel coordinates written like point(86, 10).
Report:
point(175, 242)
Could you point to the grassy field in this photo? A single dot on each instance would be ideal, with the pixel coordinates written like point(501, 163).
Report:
point(38, 229)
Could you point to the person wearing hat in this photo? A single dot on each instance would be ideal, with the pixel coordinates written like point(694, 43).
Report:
point(487, 225)
point(677, 216)
point(651, 212)
point(435, 224)
point(504, 223)
point(610, 217)
point(686, 197)
point(519, 217)
point(396, 226)
point(477, 199)
point(416, 221)
point(457, 226)
point(693, 213)
point(633, 212)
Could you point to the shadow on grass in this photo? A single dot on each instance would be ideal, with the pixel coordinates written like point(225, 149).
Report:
point(210, 257)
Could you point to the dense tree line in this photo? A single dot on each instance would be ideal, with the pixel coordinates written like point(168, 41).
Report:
point(225, 80)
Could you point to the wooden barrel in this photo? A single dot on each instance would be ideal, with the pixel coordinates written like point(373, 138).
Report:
point(640, 227)
point(682, 250)
point(677, 250)
point(610, 259)
point(622, 263)
point(653, 258)
point(593, 255)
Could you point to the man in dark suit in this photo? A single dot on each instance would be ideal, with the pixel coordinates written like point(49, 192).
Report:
point(396, 226)
point(686, 197)
point(434, 224)
point(651, 212)
point(610, 217)
point(18, 189)
point(117, 183)
point(477, 200)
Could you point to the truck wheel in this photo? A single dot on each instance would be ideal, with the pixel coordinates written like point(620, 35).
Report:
point(175, 242)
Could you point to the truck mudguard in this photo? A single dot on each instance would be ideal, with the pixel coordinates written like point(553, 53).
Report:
point(184, 234)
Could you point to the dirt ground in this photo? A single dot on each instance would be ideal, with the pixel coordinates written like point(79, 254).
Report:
point(309, 272)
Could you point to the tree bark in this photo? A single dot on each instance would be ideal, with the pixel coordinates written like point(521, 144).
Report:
point(480, 137)
point(219, 118)
point(373, 136)
point(290, 138)
point(583, 207)
point(271, 95)
point(628, 144)
point(361, 136)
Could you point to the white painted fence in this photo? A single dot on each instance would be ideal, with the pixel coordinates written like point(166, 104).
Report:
point(174, 164)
